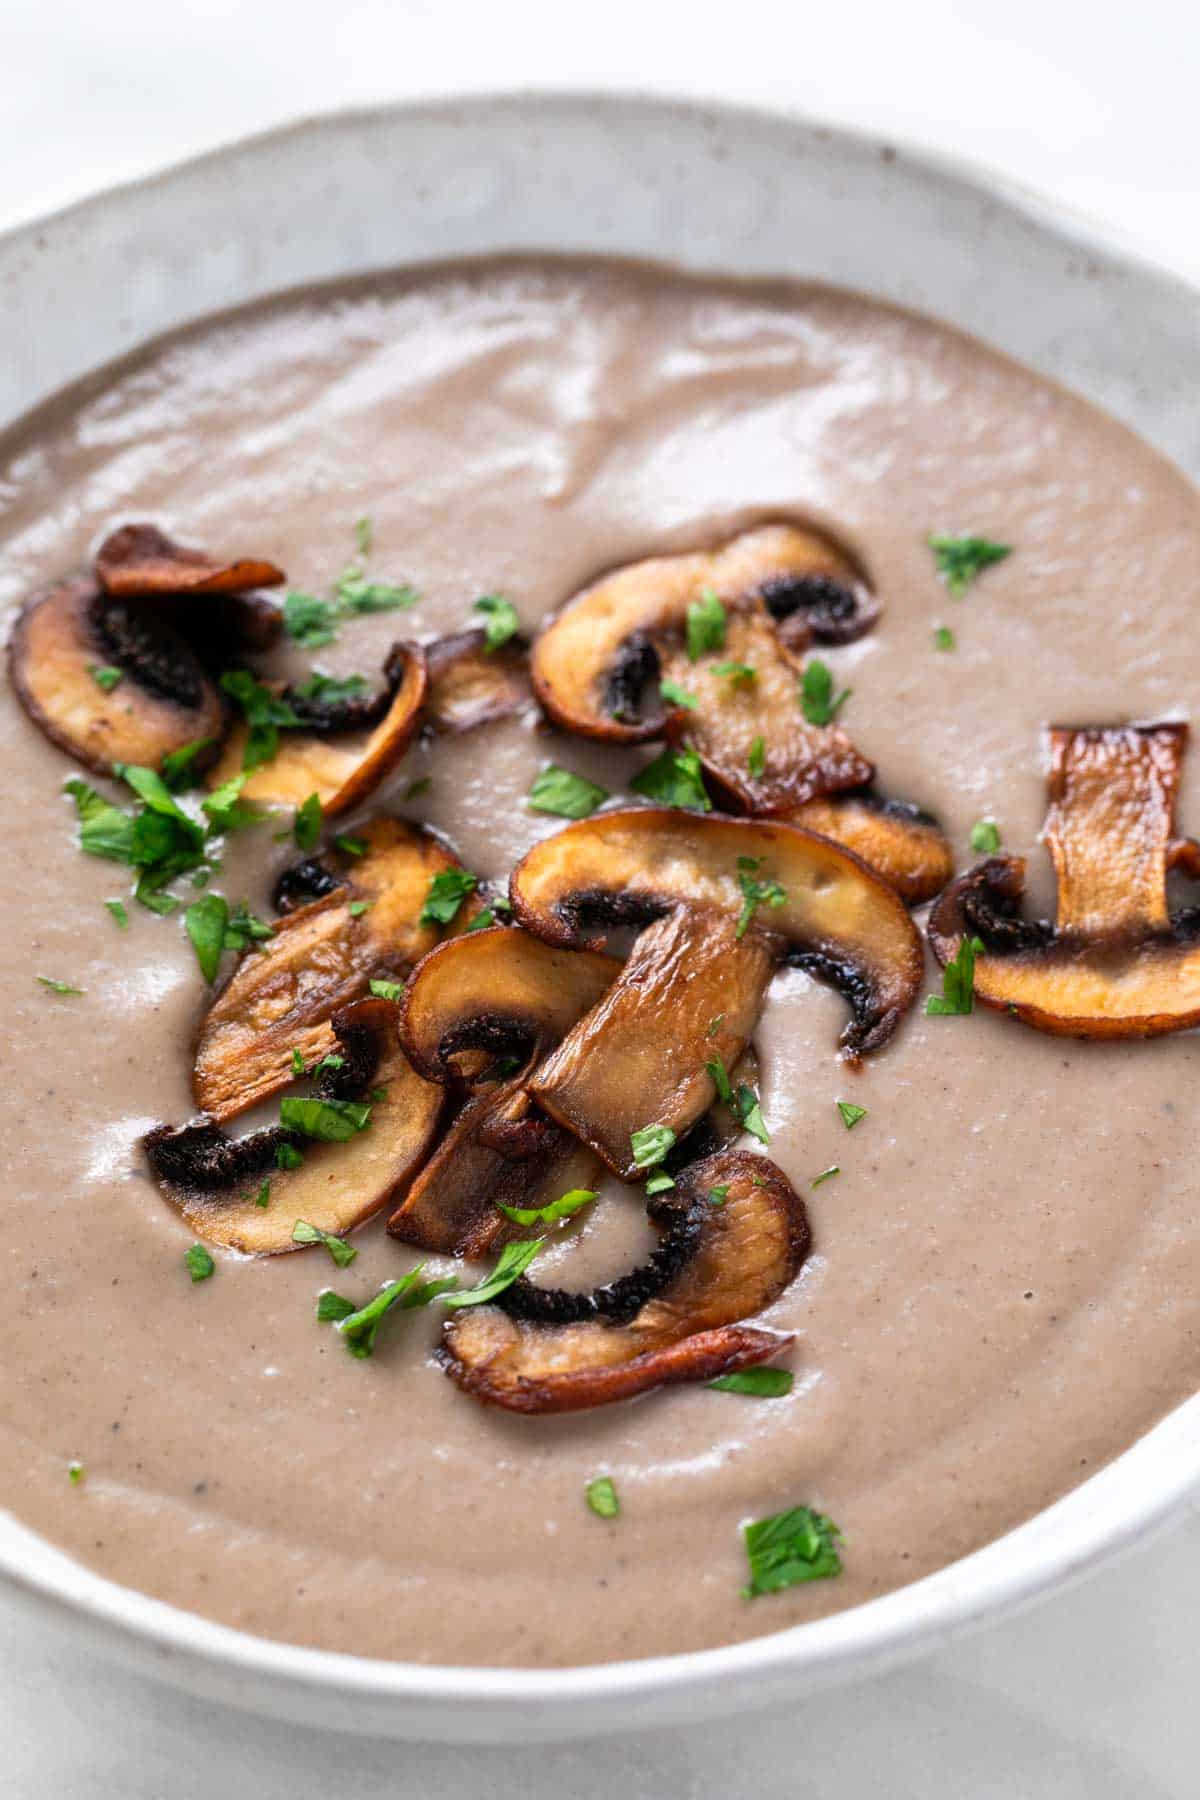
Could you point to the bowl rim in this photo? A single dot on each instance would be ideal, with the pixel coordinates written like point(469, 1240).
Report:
point(1005, 1575)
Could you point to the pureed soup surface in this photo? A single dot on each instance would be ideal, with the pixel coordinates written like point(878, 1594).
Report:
point(1003, 1289)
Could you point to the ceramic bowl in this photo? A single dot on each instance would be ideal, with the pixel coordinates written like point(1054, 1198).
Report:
point(708, 187)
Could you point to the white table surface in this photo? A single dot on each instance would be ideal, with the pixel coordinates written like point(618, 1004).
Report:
point(1092, 1696)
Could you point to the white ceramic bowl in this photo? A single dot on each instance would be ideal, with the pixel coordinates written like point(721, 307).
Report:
point(708, 187)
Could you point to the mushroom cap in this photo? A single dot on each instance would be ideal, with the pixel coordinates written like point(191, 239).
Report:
point(895, 838)
point(141, 559)
point(470, 685)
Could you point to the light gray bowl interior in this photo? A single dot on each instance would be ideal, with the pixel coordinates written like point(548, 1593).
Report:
point(709, 188)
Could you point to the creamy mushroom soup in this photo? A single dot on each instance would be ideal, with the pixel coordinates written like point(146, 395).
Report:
point(1001, 1290)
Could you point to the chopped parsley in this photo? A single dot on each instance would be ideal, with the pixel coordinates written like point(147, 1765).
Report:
point(386, 990)
point(75, 1473)
point(227, 811)
point(205, 922)
point(985, 837)
point(500, 621)
point(246, 928)
point(364, 536)
point(677, 696)
point(310, 621)
point(421, 785)
point(306, 826)
point(447, 891)
point(158, 839)
point(564, 794)
point(739, 673)
point(355, 594)
point(826, 1175)
point(357, 908)
point(715, 1024)
point(658, 1184)
point(287, 1156)
point(265, 713)
point(601, 1496)
point(263, 1196)
point(944, 638)
point(500, 904)
point(350, 846)
point(342, 1253)
point(178, 767)
point(749, 1111)
point(817, 701)
point(755, 893)
point(720, 1079)
point(962, 558)
point(958, 983)
point(58, 987)
point(762, 1384)
point(360, 1327)
point(106, 677)
point(718, 1195)
point(199, 1263)
point(333, 1307)
point(562, 1208)
point(332, 690)
point(850, 1113)
point(798, 1545)
point(329, 1121)
point(117, 909)
point(705, 625)
point(650, 1145)
point(756, 762)
point(298, 1067)
point(673, 779)
point(512, 1262)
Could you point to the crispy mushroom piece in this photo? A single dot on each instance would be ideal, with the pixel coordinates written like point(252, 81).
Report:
point(899, 840)
point(162, 700)
point(1114, 963)
point(216, 1181)
point(470, 685)
point(283, 994)
point(336, 756)
point(675, 1319)
point(141, 559)
point(703, 887)
point(781, 588)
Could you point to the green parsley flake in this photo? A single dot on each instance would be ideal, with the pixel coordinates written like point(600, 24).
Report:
point(287, 1156)
point(651, 1145)
point(106, 677)
point(601, 1496)
point(310, 621)
point(749, 1112)
point(720, 1079)
point(944, 638)
point(298, 1067)
point(328, 1121)
point(739, 673)
point(958, 983)
point(499, 904)
point(226, 809)
point(265, 713)
point(263, 1196)
point(364, 536)
point(985, 837)
point(512, 1262)
point(715, 1024)
point(563, 1208)
point(178, 767)
point(199, 1263)
point(75, 1473)
point(306, 826)
point(756, 762)
point(755, 893)
point(357, 908)
point(205, 922)
point(705, 625)
point(331, 1307)
point(817, 702)
point(501, 621)
point(386, 990)
point(673, 779)
point(246, 928)
point(851, 1114)
point(677, 696)
point(961, 559)
point(421, 785)
point(117, 909)
point(761, 1384)
point(360, 1327)
point(826, 1175)
point(564, 794)
point(58, 987)
point(447, 891)
point(331, 690)
point(342, 1253)
point(799, 1545)
point(355, 594)
point(658, 1184)
point(718, 1195)
point(351, 846)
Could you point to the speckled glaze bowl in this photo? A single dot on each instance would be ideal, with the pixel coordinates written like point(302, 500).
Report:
point(711, 188)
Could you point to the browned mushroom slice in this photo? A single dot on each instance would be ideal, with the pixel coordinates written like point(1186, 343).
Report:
point(780, 588)
point(897, 839)
point(540, 1351)
point(726, 899)
point(340, 768)
point(470, 685)
point(282, 995)
point(1114, 963)
point(141, 559)
point(152, 695)
point(230, 1190)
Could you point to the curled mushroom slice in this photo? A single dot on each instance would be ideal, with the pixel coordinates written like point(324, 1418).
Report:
point(897, 839)
point(282, 995)
point(340, 767)
point(598, 667)
point(725, 900)
point(470, 685)
point(141, 559)
point(109, 680)
point(230, 1190)
point(1114, 963)
point(676, 1319)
